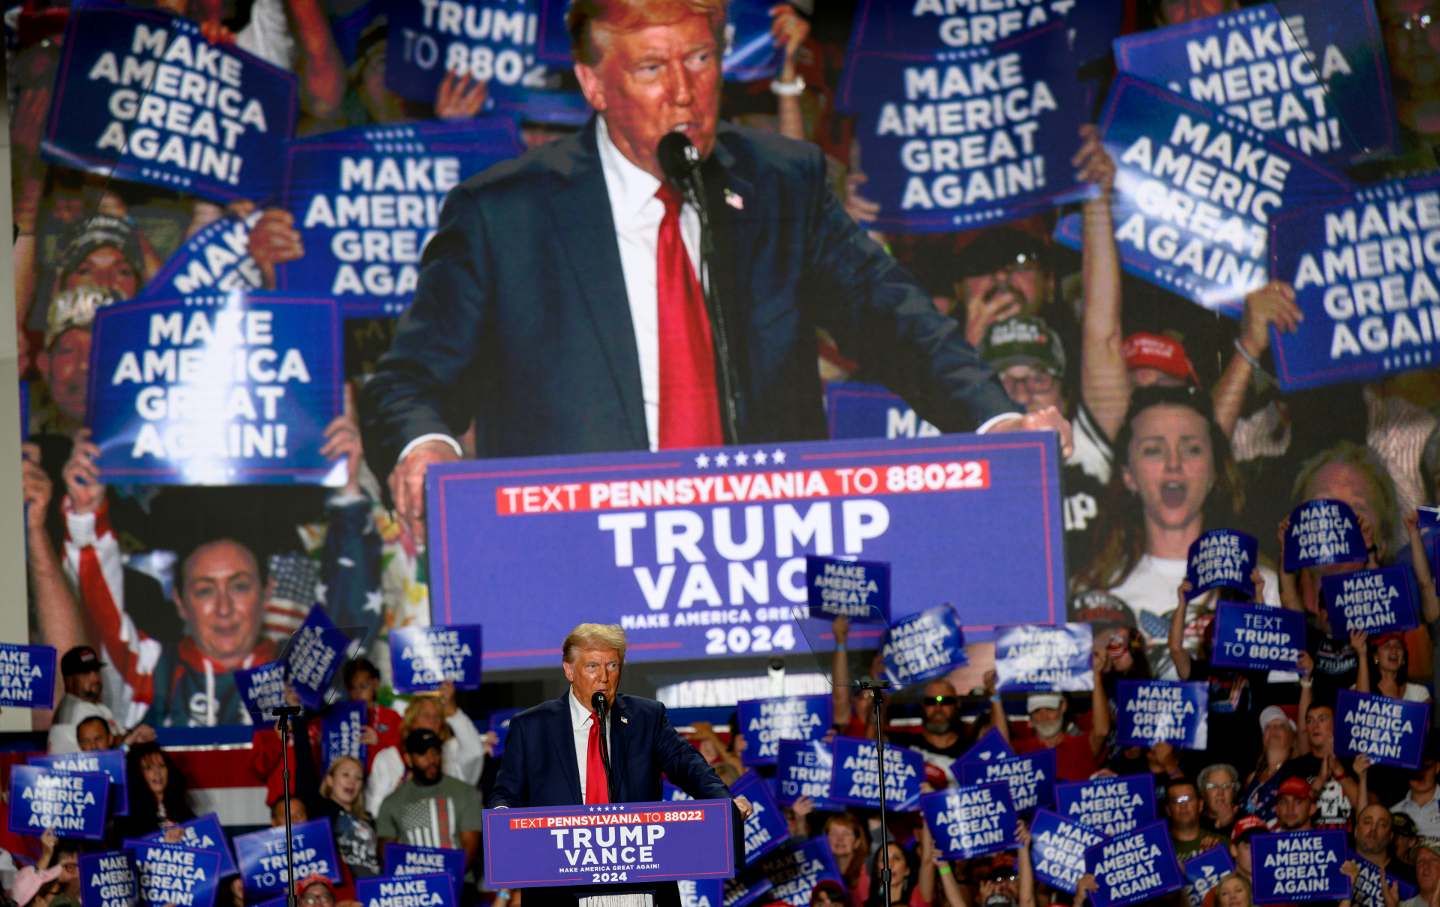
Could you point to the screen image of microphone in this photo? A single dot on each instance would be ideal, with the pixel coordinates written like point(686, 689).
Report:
point(678, 156)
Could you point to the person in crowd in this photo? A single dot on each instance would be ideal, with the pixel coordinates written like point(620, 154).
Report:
point(1175, 481)
point(62, 854)
point(158, 793)
point(1383, 667)
point(854, 712)
point(63, 363)
point(1294, 805)
point(1233, 891)
point(943, 737)
point(849, 842)
point(1337, 783)
point(1157, 359)
point(1176, 12)
point(93, 735)
point(1240, 852)
point(34, 887)
point(1427, 874)
point(1078, 753)
point(828, 893)
point(83, 703)
point(430, 808)
point(1403, 838)
point(1374, 840)
point(906, 868)
point(318, 891)
point(1182, 813)
point(438, 377)
point(1219, 786)
point(339, 797)
point(462, 746)
point(1278, 747)
point(1232, 694)
point(1115, 636)
point(1420, 803)
point(361, 679)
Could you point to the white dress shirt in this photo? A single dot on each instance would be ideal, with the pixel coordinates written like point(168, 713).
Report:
point(580, 726)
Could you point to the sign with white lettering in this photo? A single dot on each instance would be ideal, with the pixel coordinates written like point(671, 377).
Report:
point(1257, 637)
point(1031, 778)
point(1323, 532)
point(422, 658)
point(971, 820)
point(1222, 559)
point(923, 647)
point(1111, 806)
point(1162, 711)
point(1300, 866)
point(1057, 849)
point(1371, 601)
point(27, 676)
point(767, 722)
point(855, 774)
point(1032, 658)
point(859, 590)
point(1389, 731)
point(1134, 867)
point(71, 805)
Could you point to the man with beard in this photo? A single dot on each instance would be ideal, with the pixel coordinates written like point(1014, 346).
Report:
point(1077, 754)
point(83, 701)
point(943, 737)
point(430, 809)
point(1373, 834)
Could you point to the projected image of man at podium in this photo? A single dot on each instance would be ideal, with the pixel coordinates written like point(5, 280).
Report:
point(553, 754)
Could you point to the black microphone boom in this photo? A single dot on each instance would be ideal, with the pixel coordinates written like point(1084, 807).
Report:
point(598, 703)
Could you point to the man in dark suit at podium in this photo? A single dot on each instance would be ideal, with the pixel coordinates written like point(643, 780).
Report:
point(552, 752)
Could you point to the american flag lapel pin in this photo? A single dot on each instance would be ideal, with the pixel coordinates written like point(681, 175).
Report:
point(624, 720)
point(734, 200)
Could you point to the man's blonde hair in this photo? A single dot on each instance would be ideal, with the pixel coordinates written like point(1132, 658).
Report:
point(594, 636)
point(627, 15)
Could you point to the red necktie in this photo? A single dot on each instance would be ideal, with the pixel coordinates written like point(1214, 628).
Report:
point(597, 788)
point(689, 401)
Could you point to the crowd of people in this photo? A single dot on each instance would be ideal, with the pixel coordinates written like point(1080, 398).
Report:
point(156, 595)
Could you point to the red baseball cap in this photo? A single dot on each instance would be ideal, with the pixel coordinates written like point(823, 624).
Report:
point(1246, 824)
point(1296, 786)
point(1164, 354)
point(313, 879)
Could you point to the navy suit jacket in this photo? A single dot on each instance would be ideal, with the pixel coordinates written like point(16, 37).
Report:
point(539, 768)
point(521, 323)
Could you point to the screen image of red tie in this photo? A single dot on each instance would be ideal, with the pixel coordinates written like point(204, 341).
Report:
point(689, 401)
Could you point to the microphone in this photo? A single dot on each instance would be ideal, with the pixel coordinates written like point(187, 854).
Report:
point(598, 703)
point(679, 158)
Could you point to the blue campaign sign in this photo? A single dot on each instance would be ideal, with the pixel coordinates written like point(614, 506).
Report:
point(1134, 867)
point(215, 390)
point(499, 725)
point(1222, 559)
point(1312, 75)
point(407, 859)
point(110, 763)
point(1322, 532)
point(1372, 601)
point(315, 653)
point(701, 892)
point(803, 768)
point(1031, 778)
point(204, 833)
point(703, 553)
point(954, 139)
point(971, 820)
point(1156, 711)
point(1194, 192)
point(745, 889)
point(1031, 658)
point(1300, 866)
point(423, 658)
point(767, 722)
point(215, 260)
point(1371, 882)
point(71, 805)
point(366, 200)
point(1366, 271)
point(766, 828)
point(261, 856)
point(923, 646)
point(859, 590)
point(1204, 871)
point(946, 25)
point(489, 40)
point(1257, 637)
point(1057, 849)
point(262, 690)
point(174, 874)
point(855, 774)
point(1111, 806)
point(991, 746)
point(108, 879)
point(27, 676)
point(795, 871)
point(141, 95)
point(855, 410)
point(1389, 731)
point(340, 733)
point(404, 891)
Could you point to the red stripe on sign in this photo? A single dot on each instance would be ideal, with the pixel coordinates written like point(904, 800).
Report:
point(743, 488)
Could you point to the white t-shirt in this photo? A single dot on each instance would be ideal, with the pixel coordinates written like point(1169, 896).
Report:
point(1150, 591)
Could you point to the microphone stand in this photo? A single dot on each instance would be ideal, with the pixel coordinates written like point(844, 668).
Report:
point(283, 714)
point(602, 718)
point(693, 188)
point(877, 688)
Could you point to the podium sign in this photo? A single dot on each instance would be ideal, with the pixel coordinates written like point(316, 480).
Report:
point(609, 844)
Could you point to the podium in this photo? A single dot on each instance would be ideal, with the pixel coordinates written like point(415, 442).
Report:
point(609, 844)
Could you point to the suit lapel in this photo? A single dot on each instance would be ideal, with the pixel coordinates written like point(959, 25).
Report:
point(585, 228)
point(619, 738)
point(726, 196)
point(564, 735)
